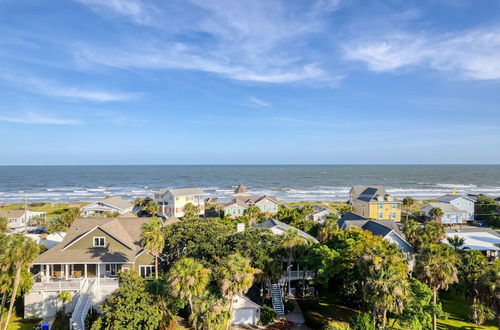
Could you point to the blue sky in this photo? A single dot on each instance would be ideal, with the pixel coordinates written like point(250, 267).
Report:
point(249, 82)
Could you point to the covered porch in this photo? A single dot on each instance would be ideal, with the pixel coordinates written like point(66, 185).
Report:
point(69, 271)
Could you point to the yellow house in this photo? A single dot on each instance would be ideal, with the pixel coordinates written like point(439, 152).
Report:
point(375, 203)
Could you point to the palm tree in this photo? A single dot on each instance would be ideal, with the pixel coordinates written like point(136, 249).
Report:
point(410, 231)
point(22, 251)
point(211, 313)
point(65, 297)
point(489, 287)
point(150, 207)
point(436, 267)
point(290, 240)
point(188, 278)
point(235, 276)
point(252, 213)
point(472, 265)
point(456, 241)
point(330, 226)
point(436, 213)
point(3, 224)
point(408, 202)
point(153, 239)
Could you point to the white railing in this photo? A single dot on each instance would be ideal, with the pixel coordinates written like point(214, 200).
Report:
point(67, 285)
point(298, 275)
point(77, 321)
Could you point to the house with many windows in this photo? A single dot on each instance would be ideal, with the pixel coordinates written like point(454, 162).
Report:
point(18, 220)
point(237, 206)
point(357, 190)
point(452, 215)
point(376, 203)
point(86, 263)
point(464, 203)
point(108, 205)
point(172, 202)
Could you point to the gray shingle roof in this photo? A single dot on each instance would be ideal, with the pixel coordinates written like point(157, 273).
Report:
point(445, 207)
point(449, 198)
point(241, 189)
point(186, 191)
point(376, 227)
point(272, 223)
point(371, 194)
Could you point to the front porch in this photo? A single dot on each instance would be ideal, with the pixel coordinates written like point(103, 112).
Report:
point(64, 272)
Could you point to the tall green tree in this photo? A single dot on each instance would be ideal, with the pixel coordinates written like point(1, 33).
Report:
point(436, 267)
point(436, 213)
point(411, 231)
point(253, 214)
point(3, 225)
point(131, 306)
point(408, 203)
point(235, 276)
point(191, 211)
point(431, 233)
point(487, 210)
point(150, 207)
point(153, 239)
point(418, 310)
point(489, 286)
point(64, 297)
point(187, 279)
point(471, 267)
point(21, 251)
point(290, 241)
point(210, 312)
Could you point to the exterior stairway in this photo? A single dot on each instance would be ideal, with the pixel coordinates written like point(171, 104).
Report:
point(277, 299)
point(77, 321)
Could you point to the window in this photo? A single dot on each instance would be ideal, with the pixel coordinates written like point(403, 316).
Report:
point(394, 206)
point(381, 206)
point(381, 215)
point(147, 271)
point(112, 269)
point(99, 242)
point(393, 215)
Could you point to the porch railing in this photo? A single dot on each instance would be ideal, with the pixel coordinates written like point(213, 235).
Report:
point(298, 274)
point(68, 285)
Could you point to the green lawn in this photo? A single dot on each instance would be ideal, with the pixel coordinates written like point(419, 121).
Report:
point(456, 307)
point(52, 209)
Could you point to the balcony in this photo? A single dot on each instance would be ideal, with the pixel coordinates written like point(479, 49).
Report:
point(62, 285)
point(298, 275)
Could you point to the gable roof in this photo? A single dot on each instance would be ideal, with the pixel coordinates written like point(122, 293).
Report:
point(125, 230)
point(357, 190)
point(246, 201)
point(11, 213)
point(271, 223)
point(445, 207)
point(113, 201)
point(241, 189)
point(450, 197)
point(482, 239)
point(186, 191)
point(372, 194)
point(376, 227)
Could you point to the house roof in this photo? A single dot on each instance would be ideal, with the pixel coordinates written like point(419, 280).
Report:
point(241, 189)
point(376, 227)
point(357, 190)
point(271, 223)
point(445, 207)
point(125, 230)
point(449, 198)
point(483, 239)
point(186, 191)
point(372, 194)
point(114, 201)
point(11, 213)
point(246, 201)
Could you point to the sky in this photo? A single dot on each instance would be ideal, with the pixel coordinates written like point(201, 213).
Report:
point(249, 82)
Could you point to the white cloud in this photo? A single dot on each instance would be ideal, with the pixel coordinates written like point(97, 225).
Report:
point(135, 10)
point(248, 40)
point(51, 88)
point(258, 102)
point(34, 118)
point(471, 54)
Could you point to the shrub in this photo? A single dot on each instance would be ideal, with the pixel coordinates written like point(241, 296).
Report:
point(289, 306)
point(480, 313)
point(363, 322)
point(267, 315)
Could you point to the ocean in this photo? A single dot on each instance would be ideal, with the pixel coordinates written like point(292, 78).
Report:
point(288, 182)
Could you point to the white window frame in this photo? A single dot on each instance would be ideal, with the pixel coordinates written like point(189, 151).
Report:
point(98, 245)
point(151, 271)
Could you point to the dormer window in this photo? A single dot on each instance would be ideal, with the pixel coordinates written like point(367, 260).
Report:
point(99, 241)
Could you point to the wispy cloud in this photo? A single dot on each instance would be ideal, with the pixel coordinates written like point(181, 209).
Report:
point(258, 102)
point(135, 10)
point(250, 40)
point(51, 88)
point(471, 54)
point(36, 118)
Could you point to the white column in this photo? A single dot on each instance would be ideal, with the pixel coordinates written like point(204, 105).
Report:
point(66, 271)
point(85, 272)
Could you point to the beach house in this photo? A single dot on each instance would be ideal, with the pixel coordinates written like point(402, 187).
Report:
point(376, 203)
point(108, 205)
point(18, 220)
point(237, 206)
point(172, 202)
point(452, 215)
point(464, 203)
point(86, 263)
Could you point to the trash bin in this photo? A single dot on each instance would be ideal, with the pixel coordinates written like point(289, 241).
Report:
point(45, 326)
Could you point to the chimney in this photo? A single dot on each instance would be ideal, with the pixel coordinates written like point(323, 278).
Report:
point(240, 226)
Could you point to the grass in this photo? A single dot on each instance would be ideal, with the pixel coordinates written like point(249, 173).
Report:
point(53, 209)
point(17, 323)
point(456, 308)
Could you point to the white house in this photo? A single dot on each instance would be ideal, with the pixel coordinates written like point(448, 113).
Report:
point(49, 240)
point(319, 214)
point(106, 206)
point(452, 215)
point(464, 203)
point(172, 202)
point(486, 240)
point(245, 311)
point(17, 220)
